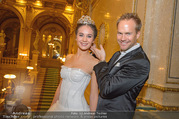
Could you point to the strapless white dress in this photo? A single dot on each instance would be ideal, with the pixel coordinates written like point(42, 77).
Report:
point(72, 90)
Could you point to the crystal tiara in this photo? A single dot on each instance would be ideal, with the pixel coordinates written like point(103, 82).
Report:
point(85, 20)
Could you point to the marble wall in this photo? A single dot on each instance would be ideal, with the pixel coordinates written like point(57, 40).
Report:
point(174, 55)
point(158, 44)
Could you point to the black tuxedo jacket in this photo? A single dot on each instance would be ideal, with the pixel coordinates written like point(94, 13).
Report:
point(120, 83)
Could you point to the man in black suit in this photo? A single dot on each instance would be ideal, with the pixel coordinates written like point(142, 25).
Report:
point(121, 79)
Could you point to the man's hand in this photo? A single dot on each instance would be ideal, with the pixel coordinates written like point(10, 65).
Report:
point(100, 53)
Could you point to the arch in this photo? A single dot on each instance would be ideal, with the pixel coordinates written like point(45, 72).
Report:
point(56, 26)
point(45, 19)
point(12, 13)
point(13, 9)
point(58, 31)
point(6, 22)
point(63, 19)
point(11, 28)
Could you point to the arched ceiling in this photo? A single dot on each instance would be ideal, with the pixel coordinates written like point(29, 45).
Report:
point(57, 8)
point(6, 14)
point(45, 19)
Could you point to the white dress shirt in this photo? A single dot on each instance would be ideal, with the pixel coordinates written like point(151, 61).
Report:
point(127, 51)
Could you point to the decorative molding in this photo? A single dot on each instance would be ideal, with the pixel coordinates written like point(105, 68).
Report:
point(143, 30)
point(172, 79)
point(164, 89)
point(135, 6)
point(103, 34)
point(69, 17)
point(83, 5)
point(158, 106)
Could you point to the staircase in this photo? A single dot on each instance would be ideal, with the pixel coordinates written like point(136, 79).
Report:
point(50, 84)
point(37, 89)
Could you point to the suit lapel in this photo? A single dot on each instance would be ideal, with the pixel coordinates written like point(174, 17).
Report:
point(123, 59)
point(120, 61)
point(113, 59)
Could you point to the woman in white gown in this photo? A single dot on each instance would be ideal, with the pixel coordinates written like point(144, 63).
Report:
point(77, 72)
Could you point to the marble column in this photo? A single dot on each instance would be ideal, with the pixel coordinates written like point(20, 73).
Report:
point(35, 54)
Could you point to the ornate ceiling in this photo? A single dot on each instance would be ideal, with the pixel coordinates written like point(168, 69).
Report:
point(55, 10)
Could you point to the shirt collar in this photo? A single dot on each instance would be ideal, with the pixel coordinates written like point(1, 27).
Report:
point(131, 49)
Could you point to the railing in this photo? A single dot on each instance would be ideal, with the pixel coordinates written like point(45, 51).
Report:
point(12, 61)
point(23, 63)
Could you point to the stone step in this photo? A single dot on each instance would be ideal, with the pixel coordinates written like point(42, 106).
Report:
point(45, 96)
point(44, 93)
point(146, 108)
point(37, 100)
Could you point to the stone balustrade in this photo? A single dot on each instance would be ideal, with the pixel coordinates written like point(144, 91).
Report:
point(11, 61)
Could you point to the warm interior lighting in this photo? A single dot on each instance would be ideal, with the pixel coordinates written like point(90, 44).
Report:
point(62, 59)
point(161, 68)
point(21, 1)
point(69, 9)
point(43, 55)
point(60, 38)
point(9, 76)
point(107, 15)
point(38, 3)
point(4, 89)
point(22, 54)
point(30, 67)
point(51, 44)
